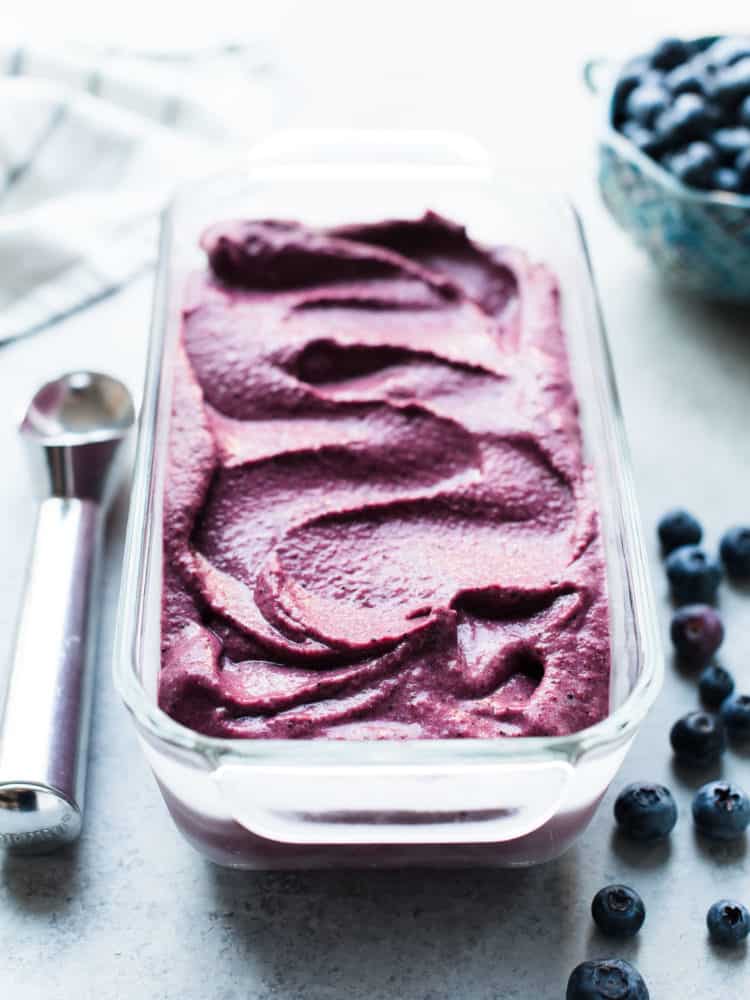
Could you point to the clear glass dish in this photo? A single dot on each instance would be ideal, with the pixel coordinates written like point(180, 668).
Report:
point(305, 804)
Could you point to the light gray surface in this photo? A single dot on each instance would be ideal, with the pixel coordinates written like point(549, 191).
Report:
point(132, 912)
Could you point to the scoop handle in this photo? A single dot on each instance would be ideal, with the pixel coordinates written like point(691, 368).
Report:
point(44, 725)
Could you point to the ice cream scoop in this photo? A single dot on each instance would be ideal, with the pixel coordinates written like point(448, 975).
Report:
point(73, 428)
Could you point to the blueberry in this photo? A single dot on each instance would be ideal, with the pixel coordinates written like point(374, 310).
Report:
point(689, 117)
point(646, 103)
point(687, 79)
point(693, 575)
point(642, 137)
point(700, 45)
point(631, 75)
point(742, 166)
point(698, 739)
point(743, 112)
point(735, 552)
point(735, 712)
point(606, 979)
point(715, 685)
point(721, 810)
point(725, 179)
point(726, 51)
point(728, 922)
point(645, 811)
point(694, 165)
point(732, 83)
point(670, 52)
point(618, 911)
point(730, 142)
point(676, 528)
point(697, 631)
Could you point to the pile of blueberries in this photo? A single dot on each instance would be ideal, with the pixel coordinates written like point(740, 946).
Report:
point(687, 106)
point(647, 812)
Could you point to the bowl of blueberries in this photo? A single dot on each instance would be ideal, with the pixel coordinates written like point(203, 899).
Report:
point(674, 159)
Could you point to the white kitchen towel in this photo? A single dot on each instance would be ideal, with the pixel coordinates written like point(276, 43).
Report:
point(91, 145)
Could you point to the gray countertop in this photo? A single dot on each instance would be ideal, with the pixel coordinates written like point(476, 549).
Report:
point(132, 911)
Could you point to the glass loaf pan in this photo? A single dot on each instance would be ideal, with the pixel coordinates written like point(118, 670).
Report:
point(307, 804)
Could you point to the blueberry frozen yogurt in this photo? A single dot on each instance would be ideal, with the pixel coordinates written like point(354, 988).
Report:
point(378, 522)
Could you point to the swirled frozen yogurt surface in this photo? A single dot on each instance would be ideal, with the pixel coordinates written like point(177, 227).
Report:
point(378, 523)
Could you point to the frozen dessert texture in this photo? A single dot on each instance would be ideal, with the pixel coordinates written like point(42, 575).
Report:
point(378, 522)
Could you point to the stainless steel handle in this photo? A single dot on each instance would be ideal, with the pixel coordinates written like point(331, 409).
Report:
point(45, 722)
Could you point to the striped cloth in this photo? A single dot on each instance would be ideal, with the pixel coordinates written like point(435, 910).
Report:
point(91, 145)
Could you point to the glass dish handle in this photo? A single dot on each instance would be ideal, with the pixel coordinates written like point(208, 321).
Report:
point(598, 74)
point(372, 147)
point(394, 804)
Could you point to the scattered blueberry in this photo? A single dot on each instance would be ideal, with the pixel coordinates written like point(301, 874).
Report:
point(645, 811)
point(670, 52)
point(725, 179)
point(728, 922)
point(677, 528)
point(715, 685)
point(618, 911)
point(698, 739)
point(735, 552)
point(730, 142)
point(732, 83)
point(695, 164)
point(693, 575)
point(606, 979)
point(743, 112)
point(697, 631)
point(646, 103)
point(721, 810)
point(735, 713)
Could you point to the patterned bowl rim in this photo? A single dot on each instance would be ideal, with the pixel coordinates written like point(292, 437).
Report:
point(652, 169)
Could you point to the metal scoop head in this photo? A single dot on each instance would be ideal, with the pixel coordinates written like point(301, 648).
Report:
point(78, 420)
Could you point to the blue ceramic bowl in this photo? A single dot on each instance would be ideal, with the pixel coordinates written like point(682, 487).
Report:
point(698, 240)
